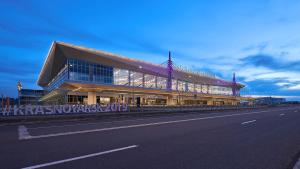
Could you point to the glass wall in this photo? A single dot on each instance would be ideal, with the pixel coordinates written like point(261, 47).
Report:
point(174, 84)
point(190, 87)
point(121, 77)
point(77, 70)
point(85, 71)
point(198, 88)
point(181, 85)
point(58, 80)
point(220, 90)
point(149, 81)
point(77, 99)
point(136, 79)
point(161, 83)
point(204, 88)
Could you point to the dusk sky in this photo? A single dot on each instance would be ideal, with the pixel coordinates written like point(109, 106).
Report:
point(257, 39)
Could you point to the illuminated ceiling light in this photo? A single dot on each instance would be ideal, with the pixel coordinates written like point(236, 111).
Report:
point(76, 89)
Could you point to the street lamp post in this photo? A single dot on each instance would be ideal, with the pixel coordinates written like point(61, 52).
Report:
point(19, 86)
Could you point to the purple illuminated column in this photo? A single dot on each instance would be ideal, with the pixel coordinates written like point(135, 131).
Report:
point(170, 71)
point(233, 85)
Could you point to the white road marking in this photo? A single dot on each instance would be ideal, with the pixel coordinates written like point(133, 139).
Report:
point(139, 125)
point(22, 123)
point(93, 123)
point(106, 122)
point(67, 125)
point(80, 157)
point(282, 114)
point(103, 122)
point(247, 122)
point(23, 133)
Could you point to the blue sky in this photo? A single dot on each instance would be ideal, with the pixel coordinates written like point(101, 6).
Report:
point(257, 39)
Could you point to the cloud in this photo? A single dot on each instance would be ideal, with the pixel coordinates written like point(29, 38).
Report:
point(261, 73)
point(18, 67)
point(58, 29)
point(259, 47)
point(294, 87)
point(288, 98)
point(283, 84)
point(268, 61)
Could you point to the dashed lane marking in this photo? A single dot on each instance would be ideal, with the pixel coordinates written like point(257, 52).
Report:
point(139, 125)
point(247, 122)
point(80, 157)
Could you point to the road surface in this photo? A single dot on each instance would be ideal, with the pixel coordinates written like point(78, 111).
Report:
point(245, 139)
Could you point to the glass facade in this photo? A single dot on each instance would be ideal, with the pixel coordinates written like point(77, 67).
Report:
point(150, 81)
point(28, 96)
point(220, 90)
point(174, 84)
point(121, 77)
point(83, 71)
point(76, 99)
point(198, 88)
point(190, 87)
point(136, 79)
point(181, 86)
point(58, 80)
point(204, 88)
point(161, 82)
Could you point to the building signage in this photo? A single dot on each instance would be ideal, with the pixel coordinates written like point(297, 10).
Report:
point(25, 110)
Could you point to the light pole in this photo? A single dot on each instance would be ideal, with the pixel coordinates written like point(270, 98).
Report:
point(19, 86)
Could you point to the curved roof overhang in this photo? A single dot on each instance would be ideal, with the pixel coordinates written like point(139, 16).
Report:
point(46, 66)
point(60, 51)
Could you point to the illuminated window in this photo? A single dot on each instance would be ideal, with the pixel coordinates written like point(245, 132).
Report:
point(181, 85)
point(191, 87)
point(149, 81)
point(198, 88)
point(85, 71)
point(204, 88)
point(136, 79)
point(161, 83)
point(121, 77)
point(174, 84)
point(220, 90)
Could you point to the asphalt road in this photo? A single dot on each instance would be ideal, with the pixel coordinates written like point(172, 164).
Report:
point(246, 139)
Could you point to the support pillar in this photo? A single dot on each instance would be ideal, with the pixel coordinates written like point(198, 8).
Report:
point(170, 101)
point(210, 102)
point(92, 98)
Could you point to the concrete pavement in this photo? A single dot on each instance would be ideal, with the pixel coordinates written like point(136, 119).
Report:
point(260, 139)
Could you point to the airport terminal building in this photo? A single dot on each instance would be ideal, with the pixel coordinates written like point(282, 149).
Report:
point(78, 75)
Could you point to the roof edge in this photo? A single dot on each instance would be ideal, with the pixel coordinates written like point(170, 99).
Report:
point(53, 45)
